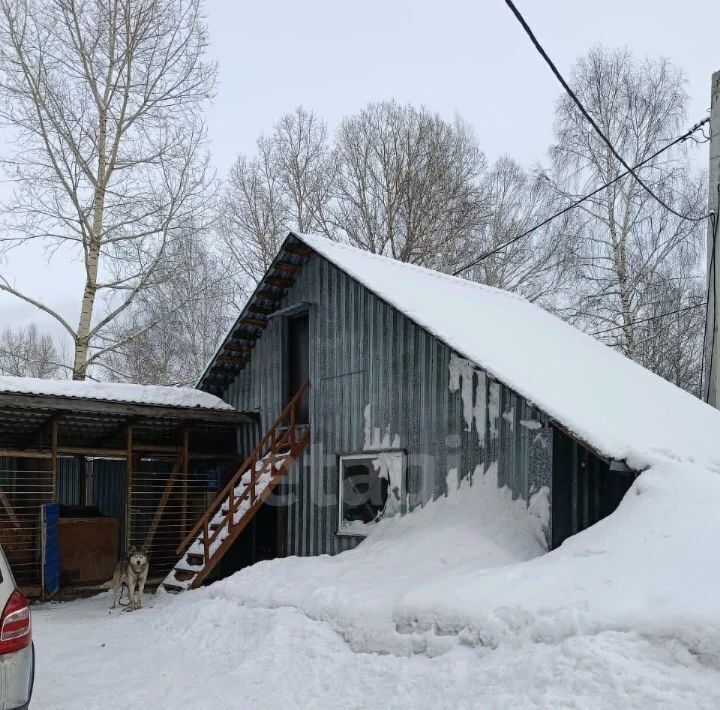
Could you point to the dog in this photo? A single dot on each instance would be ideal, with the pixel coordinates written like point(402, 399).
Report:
point(133, 573)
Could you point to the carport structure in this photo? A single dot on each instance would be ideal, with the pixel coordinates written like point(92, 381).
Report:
point(144, 461)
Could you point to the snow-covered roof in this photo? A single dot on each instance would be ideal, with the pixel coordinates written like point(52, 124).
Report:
point(608, 401)
point(113, 392)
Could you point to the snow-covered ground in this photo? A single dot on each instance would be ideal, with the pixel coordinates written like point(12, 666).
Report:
point(214, 654)
point(452, 606)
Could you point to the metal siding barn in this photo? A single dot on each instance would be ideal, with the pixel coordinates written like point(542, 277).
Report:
point(378, 386)
point(377, 380)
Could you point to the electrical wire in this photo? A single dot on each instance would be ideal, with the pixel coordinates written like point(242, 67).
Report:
point(706, 139)
point(580, 200)
point(649, 318)
point(588, 117)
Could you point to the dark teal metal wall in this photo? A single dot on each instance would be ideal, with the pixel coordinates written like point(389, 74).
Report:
point(371, 367)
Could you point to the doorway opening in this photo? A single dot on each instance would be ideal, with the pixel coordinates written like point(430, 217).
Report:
point(585, 489)
point(298, 363)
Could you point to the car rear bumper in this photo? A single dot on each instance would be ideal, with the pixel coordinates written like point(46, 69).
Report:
point(16, 678)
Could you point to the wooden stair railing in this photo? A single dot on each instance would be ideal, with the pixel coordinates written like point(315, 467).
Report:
point(238, 502)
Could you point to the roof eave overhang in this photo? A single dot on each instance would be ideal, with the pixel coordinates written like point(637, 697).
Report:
point(26, 400)
point(235, 351)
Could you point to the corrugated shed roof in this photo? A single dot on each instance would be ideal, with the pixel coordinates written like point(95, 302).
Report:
point(615, 405)
point(114, 392)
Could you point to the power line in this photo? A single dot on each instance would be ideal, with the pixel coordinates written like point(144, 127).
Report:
point(587, 116)
point(649, 318)
point(580, 200)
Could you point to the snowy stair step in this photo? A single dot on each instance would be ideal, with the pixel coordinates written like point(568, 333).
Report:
point(223, 527)
point(173, 588)
point(184, 575)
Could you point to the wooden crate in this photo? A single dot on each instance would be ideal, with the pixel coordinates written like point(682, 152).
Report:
point(88, 549)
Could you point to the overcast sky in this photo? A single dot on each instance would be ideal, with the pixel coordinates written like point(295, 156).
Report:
point(464, 56)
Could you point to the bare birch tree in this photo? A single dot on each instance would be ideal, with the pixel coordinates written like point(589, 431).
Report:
point(172, 330)
point(408, 184)
point(669, 336)
point(304, 165)
point(103, 99)
point(26, 352)
point(252, 219)
point(287, 185)
point(630, 247)
point(539, 266)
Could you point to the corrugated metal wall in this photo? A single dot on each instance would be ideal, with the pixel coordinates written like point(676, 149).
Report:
point(95, 482)
point(377, 379)
point(106, 488)
point(70, 486)
point(585, 487)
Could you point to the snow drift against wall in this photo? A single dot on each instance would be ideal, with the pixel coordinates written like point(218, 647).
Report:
point(648, 568)
point(467, 570)
point(473, 527)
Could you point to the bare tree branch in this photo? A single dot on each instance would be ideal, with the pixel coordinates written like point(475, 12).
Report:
point(104, 100)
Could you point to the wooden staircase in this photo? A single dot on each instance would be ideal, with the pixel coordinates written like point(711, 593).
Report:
point(236, 505)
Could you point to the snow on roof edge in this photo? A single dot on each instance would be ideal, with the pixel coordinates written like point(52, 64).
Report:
point(619, 447)
point(152, 395)
point(307, 239)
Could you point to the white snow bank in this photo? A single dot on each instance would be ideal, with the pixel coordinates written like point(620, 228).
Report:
point(467, 570)
point(624, 615)
point(607, 400)
point(113, 391)
point(650, 568)
point(197, 653)
point(477, 526)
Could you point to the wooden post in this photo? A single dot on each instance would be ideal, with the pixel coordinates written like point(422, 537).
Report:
point(163, 502)
point(53, 458)
point(273, 444)
point(128, 487)
point(231, 508)
point(206, 543)
point(252, 479)
point(292, 427)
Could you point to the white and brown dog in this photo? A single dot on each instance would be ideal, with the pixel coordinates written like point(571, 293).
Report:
point(133, 573)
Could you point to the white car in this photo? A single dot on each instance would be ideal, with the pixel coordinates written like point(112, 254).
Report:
point(17, 654)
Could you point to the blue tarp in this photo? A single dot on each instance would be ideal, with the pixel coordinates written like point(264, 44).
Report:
point(51, 548)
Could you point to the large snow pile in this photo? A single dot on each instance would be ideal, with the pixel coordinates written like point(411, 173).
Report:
point(467, 569)
point(624, 615)
point(649, 568)
point(474, 527)
point(113, 391)
point(619, 407)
